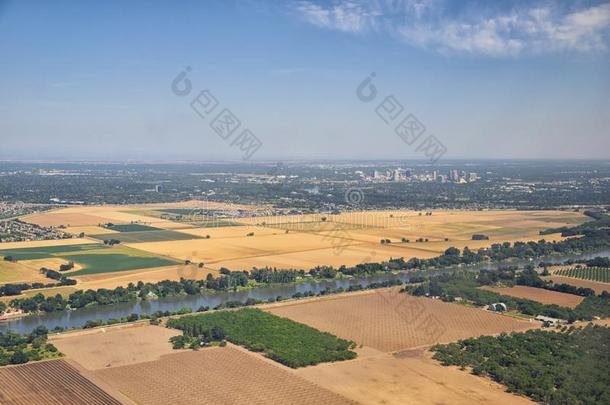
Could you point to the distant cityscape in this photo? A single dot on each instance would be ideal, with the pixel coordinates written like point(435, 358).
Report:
point(406, 175)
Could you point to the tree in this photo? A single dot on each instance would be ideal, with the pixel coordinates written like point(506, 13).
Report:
point(452, 251)
point(19, 357)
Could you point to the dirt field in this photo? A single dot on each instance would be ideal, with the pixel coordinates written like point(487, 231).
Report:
point(47, 383)
point(405, 379)
point(215, 376)
point(118, 346)
point(594, 285)
point(538, 294)
point(389, 321)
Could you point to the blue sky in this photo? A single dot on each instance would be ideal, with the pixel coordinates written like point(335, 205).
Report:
point(92, 80)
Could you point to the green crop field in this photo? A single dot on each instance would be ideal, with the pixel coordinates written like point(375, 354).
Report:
point(117, 260)
point(601, 274)
point(283, 340)
point(133, 228)
point(93, 258)
point(48, 251)
point(147, 236)
point(180, 211)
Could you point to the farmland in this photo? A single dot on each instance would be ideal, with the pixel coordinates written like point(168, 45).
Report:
point(119, 346)
point(286, 241)
point(594, 285)
point(538, 294)
point(145, 236)
point(389, 321)
point(138, 361)
point(288, 342)
point(46, 252)
point(601, 274)
point(132, 228)
point(50, 382)
point(12, 272)
point(410, 377)
point(91, 258)
point(217, 375)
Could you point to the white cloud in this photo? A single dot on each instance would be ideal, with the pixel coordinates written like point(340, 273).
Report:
point(348, 16)
point(426, 23)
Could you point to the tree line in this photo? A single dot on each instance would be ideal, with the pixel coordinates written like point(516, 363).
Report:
point(570, 366)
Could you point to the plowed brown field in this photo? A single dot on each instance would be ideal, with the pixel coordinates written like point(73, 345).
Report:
point(215, 376)
point(594, 285)
point(49, 383)
point(539, 295)
point(388, 320)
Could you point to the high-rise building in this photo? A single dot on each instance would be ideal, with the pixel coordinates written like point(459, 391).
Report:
point(397, 175)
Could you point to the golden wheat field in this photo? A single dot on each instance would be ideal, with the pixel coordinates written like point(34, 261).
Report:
point(89, 230)
point(388, 320)
point(12, 272)
point(291, 241)
point(46, 243)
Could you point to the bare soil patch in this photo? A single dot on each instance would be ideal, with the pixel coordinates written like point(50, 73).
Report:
point(217, 375)
point(412, 379)
point(388, 320)
point(538, 294)
point(596, 286)
point(116, 346)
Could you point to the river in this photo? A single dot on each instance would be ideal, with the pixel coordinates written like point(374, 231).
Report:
point(77, 318)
